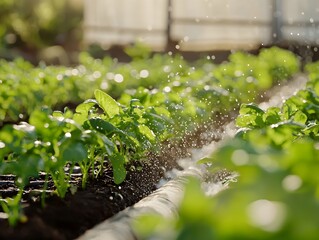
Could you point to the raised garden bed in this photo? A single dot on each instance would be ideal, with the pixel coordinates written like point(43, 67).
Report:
point(190, 105)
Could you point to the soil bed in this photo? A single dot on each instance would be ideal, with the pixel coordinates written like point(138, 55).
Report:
point(70, 217)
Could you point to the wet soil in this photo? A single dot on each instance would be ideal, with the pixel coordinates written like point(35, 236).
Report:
point(70, 217)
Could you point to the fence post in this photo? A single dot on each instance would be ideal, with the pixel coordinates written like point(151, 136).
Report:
point(276, 21)
point(170, 44)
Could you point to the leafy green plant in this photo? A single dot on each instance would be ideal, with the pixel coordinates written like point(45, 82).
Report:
point(102, 130)
point(275, 153)
point(13, 209)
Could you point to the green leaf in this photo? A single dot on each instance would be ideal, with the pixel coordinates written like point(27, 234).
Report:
point(102, 126)
point(250, 116)
point(289, 107)
point(110, 147)
point(74, 152)
point(46, 126)
point(250, 108)
point(271, 116)
point(107, 103)
point(119, 171)
point(300, 117)
point(146, 132)
point(205, 160)
point(85, 106)
point(25, 167)
point(82, 110)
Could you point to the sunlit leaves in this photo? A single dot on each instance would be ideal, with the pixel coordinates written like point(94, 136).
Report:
point(147, 132)
point(276, 155)
point(82, 110)
point(272, 116)
point(102, 126)
point(107, 103)
point(74, 152)
point(119, 171)
point(250, 116)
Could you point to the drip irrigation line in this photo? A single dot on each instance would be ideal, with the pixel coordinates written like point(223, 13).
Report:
point(163, 201)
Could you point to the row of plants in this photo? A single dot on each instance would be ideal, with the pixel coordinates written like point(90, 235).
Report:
point(25, 88)
point(119, 131)
point(276, 196)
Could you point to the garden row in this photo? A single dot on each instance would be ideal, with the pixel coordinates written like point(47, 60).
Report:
point(276, 154)
point(25, 88)
point(171, 100)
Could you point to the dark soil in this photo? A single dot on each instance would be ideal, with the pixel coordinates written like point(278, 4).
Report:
point(70, 217)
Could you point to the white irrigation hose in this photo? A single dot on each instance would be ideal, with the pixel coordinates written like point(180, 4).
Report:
point(163, 201)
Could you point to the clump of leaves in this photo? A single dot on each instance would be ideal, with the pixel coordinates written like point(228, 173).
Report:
point(276, 195)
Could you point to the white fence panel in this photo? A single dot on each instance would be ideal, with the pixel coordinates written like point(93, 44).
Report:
point(221, 24)
point(300, 21)
point(109, 22)
point(201, 24)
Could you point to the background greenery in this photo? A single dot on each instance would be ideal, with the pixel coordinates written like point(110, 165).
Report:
point(28, 27)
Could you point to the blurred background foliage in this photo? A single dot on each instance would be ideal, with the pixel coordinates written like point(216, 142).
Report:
point(35, 28)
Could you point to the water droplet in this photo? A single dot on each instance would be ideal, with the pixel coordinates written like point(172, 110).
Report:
point(75, 72)
point(291, 183)
point(97, 74)
point(238, 73)
point(240, 157)
point(167, 89)
point(249, 79)
point(120, 196)
point(118, 78)
point(144, 73)
point(67, 135)
point(267, 215)
point(167, 69)
point(104, 85)
point(19, 180)
point(110, 75)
